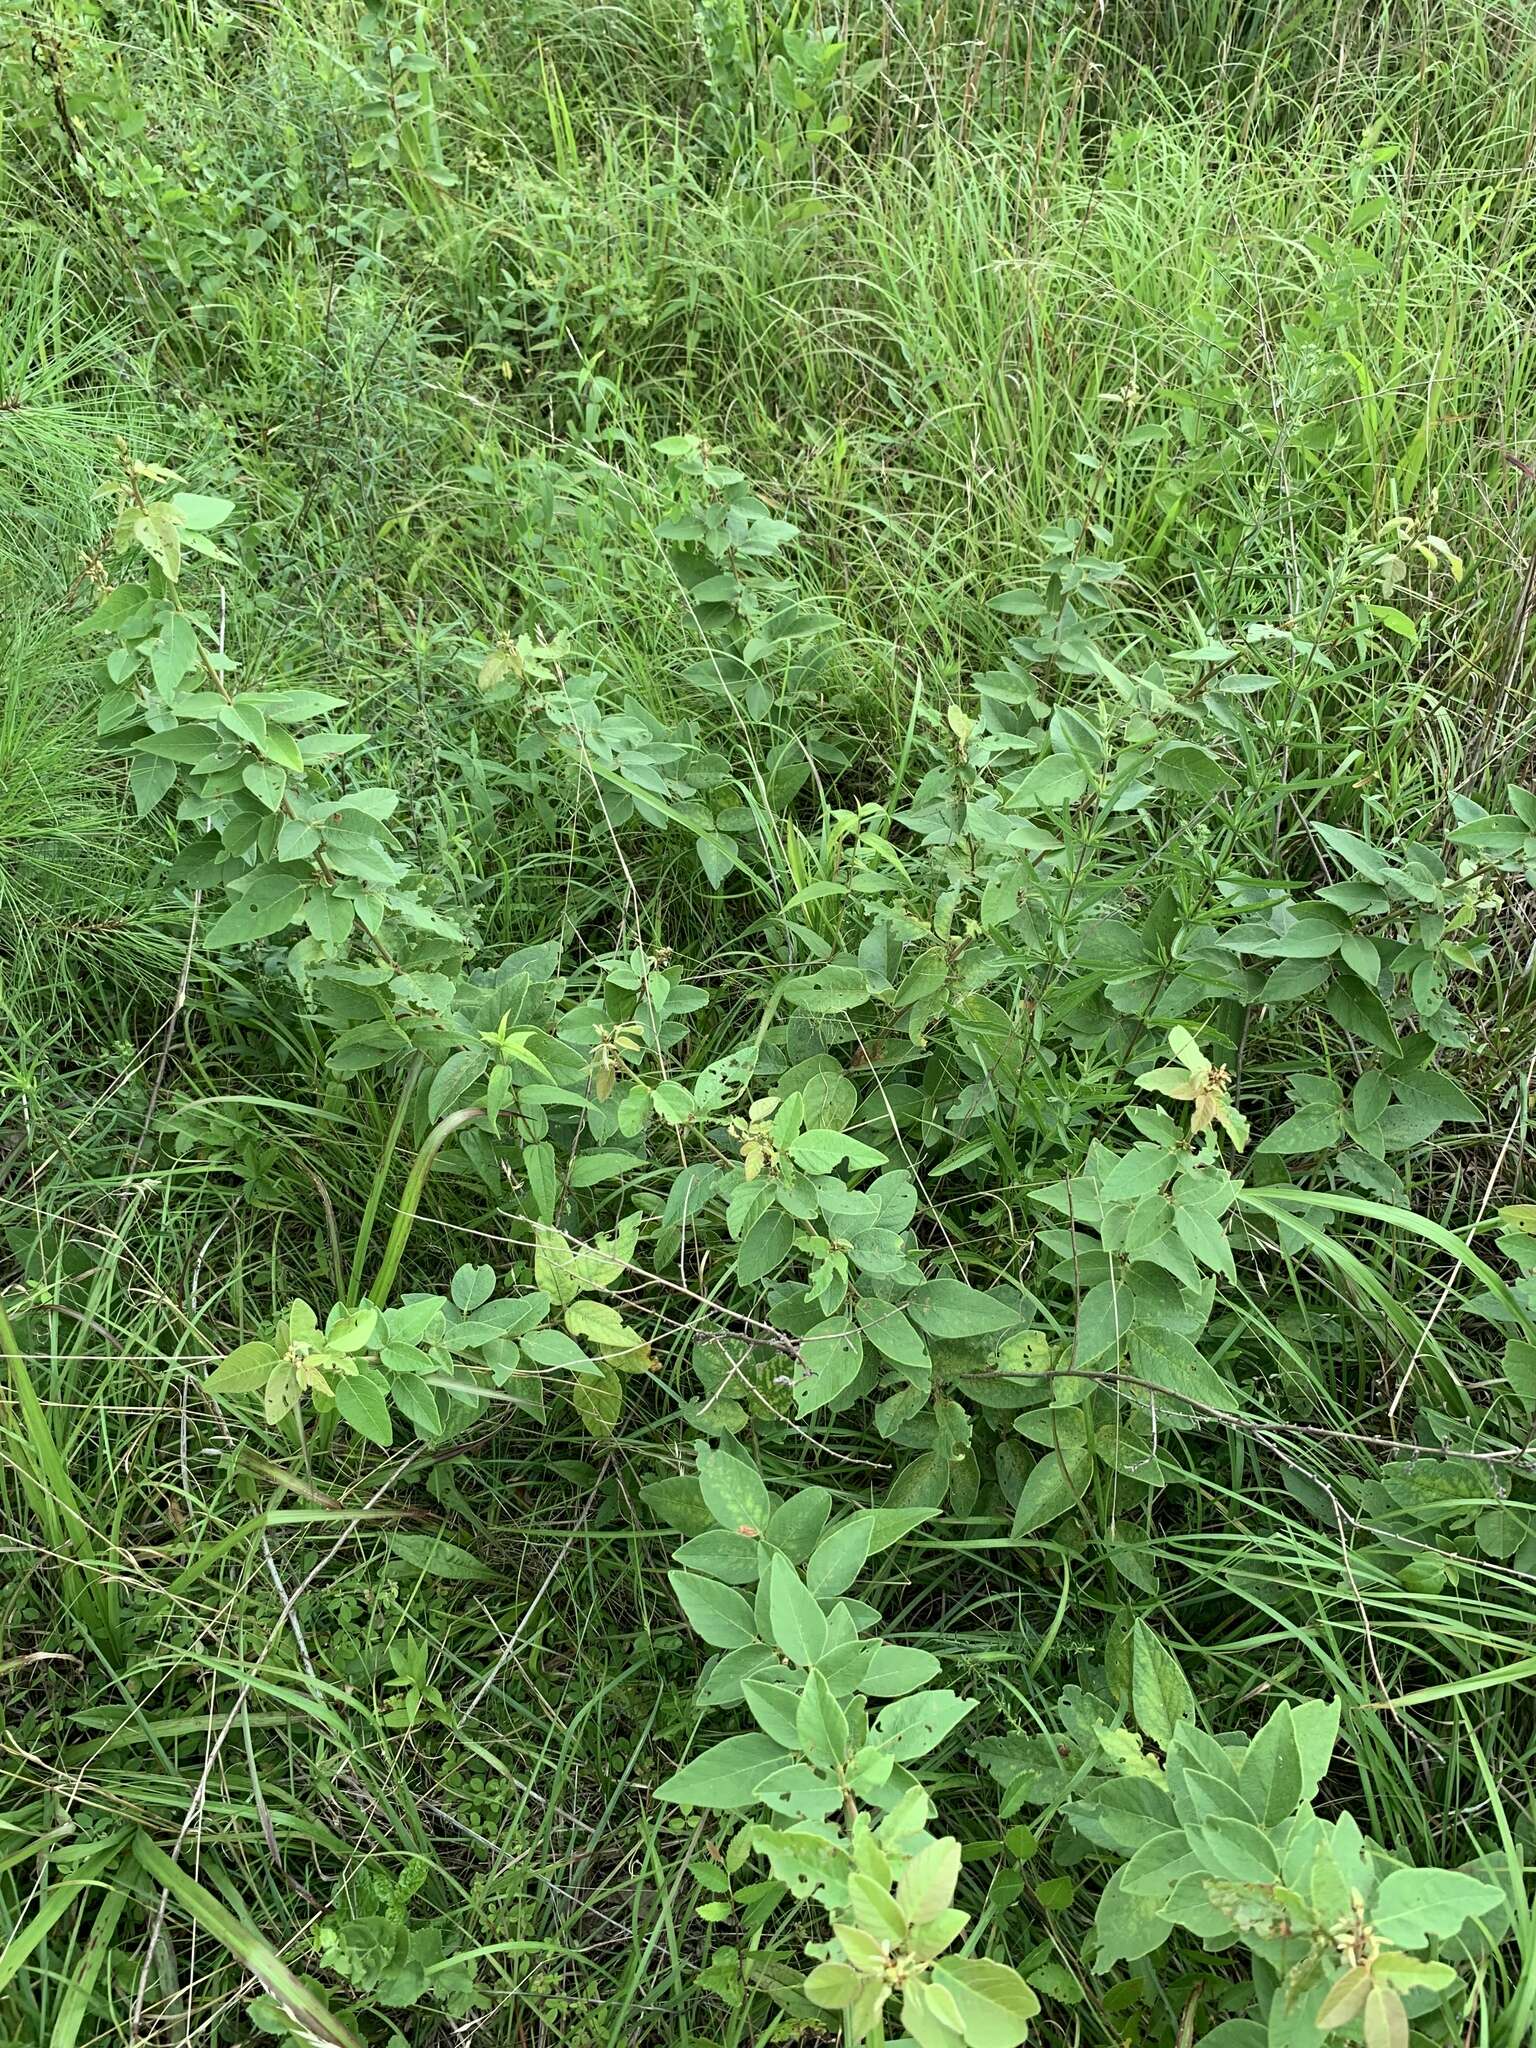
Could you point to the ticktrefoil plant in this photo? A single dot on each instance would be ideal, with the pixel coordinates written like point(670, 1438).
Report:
point(766, 1584)
point(289, 845)
point(436, 1360)
point(1220, 1837)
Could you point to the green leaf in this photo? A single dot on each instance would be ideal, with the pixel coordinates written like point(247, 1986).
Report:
point(438, 1558)
point(1412, 1907)
point(678, 1502)
point(150, 779)
point(270, 904)
point(1428, 1093)
point(201, 514)
point(1316, 1727)
point(1200, 1233)
point(1054, 1486)
point(283, 750)
point(191, 745)
point(1315, 1128)
point(893, 1669)
point(1191, 770)
point(565, 1267)
point(353, 1330)
point(821, 1726)
point(726, 1776)
point(1169, 1363)
point(1161, 1696)
point(593, 1168)
point(1141, 1171)
point(599, 1323)
point(995, 2004)
point(472, 1287)
point(1364, 858)
point(554, 1351)
point(717, 1614)
point(799, 1626)
point(1362, 1013)
point(838, 1558)
point(172, 654)
point(888, 1329)
point(795, 1526)
point(765, 1247)
point(875, 1912)
point(244, 1371)
point(927, 1885)
point(833, 1986)
point(734, 1493)
point(831, 1356)
point(775, 1709)
point(119, 608)
point(245, 719)
point(913, 1726)
point(1269, 1776)
point(454, 1078)
point(1127, 1927)
point(826, 1151)
point(719, 1555)
point(826, 992)
point(539, 1167)
point(598, 1398)
point(949, 1308)
point(361, 1400)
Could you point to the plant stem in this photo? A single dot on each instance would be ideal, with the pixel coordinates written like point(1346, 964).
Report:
point(410, 1199)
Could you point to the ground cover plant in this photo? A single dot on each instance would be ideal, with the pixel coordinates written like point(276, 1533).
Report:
point(766, 963)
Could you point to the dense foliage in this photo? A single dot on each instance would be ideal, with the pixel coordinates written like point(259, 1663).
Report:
point(764, 934)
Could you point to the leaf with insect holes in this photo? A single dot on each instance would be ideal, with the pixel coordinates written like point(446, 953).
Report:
point(282, 1393)
point(1412, 1907)
point(565, 1267)
point(913, 1726)
point(269, 905)
point(828, 991)
point(157, 530)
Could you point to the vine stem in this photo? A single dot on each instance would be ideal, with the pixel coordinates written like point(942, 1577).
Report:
point(410, 1199)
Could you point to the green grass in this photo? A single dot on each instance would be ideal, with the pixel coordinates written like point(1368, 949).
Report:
point(1235, 288)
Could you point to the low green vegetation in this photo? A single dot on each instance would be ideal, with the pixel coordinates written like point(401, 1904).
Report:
point(766, 838)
